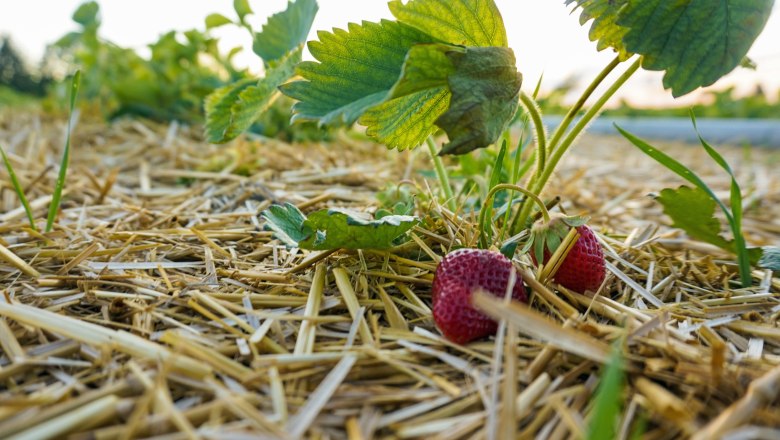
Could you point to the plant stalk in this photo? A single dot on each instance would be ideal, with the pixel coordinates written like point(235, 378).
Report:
point(572, 113)
point(541, 138)
point(441, 173)
point(539, 183)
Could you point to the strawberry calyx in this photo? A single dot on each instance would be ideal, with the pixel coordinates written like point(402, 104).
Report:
point(547, 234)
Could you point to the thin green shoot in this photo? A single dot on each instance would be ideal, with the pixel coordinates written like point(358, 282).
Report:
point(518, 170)
point(56, 197)
point(441, 174)
point(18, 189)
point(607, 407)
point(532, 109)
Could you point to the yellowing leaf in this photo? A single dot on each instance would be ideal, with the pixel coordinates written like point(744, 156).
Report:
point(405, 122)
point(426, 66)
point(464, 22)
point(356, 69)
point(403, 79)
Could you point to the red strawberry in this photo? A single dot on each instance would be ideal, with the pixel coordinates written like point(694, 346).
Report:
point(458, 275)
point(583, 268)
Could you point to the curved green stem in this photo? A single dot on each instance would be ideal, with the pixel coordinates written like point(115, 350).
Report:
point(572, 113)
point(441, 173)
point(489, 200)
point(539, 183)
point(541, 137)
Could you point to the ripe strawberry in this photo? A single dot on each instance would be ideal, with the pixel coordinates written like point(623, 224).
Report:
point(583, 268)
point(458, 275)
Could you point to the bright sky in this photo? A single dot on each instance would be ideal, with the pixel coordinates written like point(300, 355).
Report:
point(544, 35)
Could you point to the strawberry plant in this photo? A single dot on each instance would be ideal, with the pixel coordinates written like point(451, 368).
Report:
point(447, 66)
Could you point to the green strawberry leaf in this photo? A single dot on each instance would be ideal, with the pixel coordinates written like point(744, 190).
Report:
point(693, 210)
point(218, 105)
point(231, 110)
point(335, 228)
point(216, 20)
point(287, 223)
point(286, 30)
point(464, 22)
point(356, 70)
point(485, 88)
point(604, 30)
point(695, 41)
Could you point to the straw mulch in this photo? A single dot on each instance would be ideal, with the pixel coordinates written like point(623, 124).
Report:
point(159, 306)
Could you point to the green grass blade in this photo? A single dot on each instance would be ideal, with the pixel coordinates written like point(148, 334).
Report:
point(608, 399)
point(18, 188)
point(735, 199)
point(57, 195)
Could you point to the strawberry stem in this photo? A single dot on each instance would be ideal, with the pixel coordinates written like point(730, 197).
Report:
point(489, 200)
point(572, 113)
point(540, 180)
point(532, 108)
